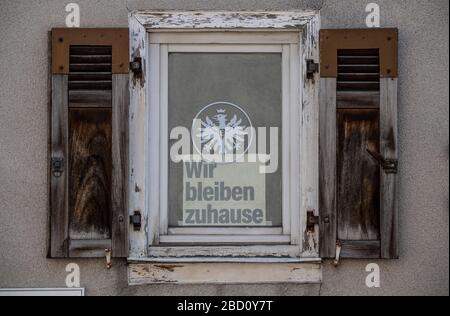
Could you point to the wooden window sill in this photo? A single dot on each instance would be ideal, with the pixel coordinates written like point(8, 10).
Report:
point(224, 271)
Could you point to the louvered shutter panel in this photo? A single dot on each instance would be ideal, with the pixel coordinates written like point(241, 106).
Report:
point(358, 143)
point(88, 168)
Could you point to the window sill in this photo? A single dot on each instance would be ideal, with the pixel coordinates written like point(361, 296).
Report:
point(222, 260)
point(224, 271)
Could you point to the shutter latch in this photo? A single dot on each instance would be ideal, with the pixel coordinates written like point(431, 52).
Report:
point(388, 165)
point(311, 68)
point(57, 166)
point(136, 221)
point(136, 66)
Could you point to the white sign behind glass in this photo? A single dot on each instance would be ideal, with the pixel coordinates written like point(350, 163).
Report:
point(224, 194)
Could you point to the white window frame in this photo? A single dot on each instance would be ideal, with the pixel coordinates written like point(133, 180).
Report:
point(161, 45)
point(155, 34)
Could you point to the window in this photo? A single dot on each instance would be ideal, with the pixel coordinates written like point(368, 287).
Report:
point(243, 91)
point(226, 166)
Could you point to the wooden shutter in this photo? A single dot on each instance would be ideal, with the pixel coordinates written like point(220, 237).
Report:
point(88, 167)
point(358, 143)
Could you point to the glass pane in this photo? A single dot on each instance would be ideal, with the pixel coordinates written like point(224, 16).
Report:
point(219, 97)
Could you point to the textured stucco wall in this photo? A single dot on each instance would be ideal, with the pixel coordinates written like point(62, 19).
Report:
point(424, 147)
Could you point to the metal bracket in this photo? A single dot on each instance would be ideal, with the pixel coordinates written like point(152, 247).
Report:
point(390, 166)
point(136, 66)
point(57, 166)
point(136, 220)
point(311, 220)
point(311, 68)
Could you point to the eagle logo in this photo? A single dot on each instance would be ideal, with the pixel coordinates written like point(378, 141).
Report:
point(223, 129)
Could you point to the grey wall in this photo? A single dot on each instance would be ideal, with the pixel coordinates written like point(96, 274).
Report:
point(424, 147)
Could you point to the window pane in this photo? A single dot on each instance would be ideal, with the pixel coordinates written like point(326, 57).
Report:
point(228, 93)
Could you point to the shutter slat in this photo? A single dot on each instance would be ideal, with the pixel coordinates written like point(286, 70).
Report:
point(357, 60)
point(81, 76)
point(362, 68)
point(90, 50)
point(355, 76)
point(88, 59)
point(358, 86)
point(90, 67)
point(90, 85)
point(89, 98)
point(359, 52)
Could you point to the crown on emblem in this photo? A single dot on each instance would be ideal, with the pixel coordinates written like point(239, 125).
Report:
point(221, 111)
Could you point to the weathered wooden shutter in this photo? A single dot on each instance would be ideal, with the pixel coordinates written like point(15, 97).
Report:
point(88, 167)
point(358, 143)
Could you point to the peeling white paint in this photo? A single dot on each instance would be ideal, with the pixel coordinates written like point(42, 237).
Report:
point(242, 252)
point(224, 20)
point(224, 273)
point(138, 240)
point(309, 137)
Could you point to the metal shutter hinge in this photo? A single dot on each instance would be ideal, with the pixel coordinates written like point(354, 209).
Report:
point(388, 165)
point(136, 66)
point(311, 68)
point(57, 166)
point(311, 221)
point(136, 220)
